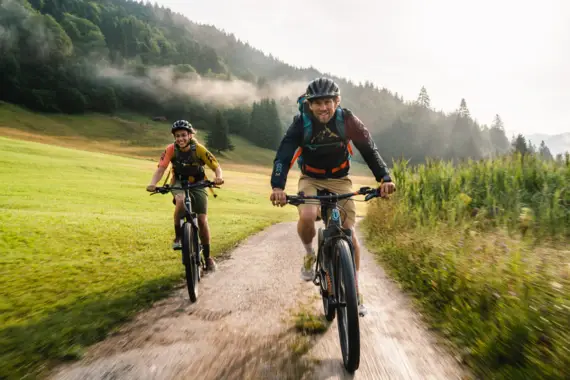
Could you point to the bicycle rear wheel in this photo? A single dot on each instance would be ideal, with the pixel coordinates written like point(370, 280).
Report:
point(347, 315)
point(189, 259)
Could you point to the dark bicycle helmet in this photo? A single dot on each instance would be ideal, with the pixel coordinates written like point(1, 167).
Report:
point(322, 88)
point(182, 124)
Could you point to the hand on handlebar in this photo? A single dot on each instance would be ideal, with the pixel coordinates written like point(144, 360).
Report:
point(278, 197)
point(386, 188)
point(151, 188)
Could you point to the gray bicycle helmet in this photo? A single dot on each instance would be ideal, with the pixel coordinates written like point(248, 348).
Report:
point(322, 88)
point(182, 124)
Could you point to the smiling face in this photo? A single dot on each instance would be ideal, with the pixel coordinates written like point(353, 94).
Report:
point(324, 108)
point(182, 137)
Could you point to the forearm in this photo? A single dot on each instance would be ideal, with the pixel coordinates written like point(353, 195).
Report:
point(218, 172)
point(157, 175)
point(284, 155)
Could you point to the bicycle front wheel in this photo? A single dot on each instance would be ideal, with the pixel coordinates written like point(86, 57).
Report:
point(347, 313)
point(189, 258)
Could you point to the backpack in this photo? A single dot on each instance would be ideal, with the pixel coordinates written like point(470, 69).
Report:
point(194, 156)
point(308, 131)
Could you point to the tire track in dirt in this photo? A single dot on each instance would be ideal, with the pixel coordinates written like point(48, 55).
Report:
point(241, 327)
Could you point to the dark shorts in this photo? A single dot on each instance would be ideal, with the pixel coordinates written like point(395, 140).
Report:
point(198, 197)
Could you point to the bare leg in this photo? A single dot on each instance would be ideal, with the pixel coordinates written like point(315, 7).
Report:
point(306, 224)
point(204, 229)
point(178, 213)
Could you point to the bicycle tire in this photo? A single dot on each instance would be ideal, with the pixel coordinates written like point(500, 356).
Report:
point(198, 255)
point(347, 316)
point(189, 261)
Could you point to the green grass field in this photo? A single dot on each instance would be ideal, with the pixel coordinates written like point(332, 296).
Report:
point(84, 246)
point(124, 134)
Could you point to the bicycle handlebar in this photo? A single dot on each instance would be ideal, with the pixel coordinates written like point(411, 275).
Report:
point(167, 188)
point(301, 198)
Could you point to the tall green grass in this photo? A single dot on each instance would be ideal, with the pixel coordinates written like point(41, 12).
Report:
point(520, 192)
point(484, 247)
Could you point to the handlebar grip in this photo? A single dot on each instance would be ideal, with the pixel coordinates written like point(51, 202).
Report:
point(374, 194)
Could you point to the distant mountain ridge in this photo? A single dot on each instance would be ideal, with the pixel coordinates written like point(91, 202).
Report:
point(558, 144)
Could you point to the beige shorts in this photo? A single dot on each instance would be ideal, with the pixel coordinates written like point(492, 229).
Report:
point(342, 185)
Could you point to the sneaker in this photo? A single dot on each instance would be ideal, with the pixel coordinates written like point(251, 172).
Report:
point(362, 311)
point(210, 265)
point(307, 270)
point(176, 245)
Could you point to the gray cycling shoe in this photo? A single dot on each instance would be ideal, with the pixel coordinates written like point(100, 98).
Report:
point(362, 310)
point(176, 245)
point(307, 270)
point(211, 265)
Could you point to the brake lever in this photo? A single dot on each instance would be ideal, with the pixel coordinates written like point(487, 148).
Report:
point(372, 195)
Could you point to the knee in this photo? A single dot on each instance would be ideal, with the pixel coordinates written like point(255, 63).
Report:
point(202, 220)
point(308, 215)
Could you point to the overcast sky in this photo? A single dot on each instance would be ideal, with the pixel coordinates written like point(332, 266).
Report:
point(503, 56)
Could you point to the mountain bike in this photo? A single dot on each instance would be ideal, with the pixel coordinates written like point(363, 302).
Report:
point(335, 269)
point(192, 256)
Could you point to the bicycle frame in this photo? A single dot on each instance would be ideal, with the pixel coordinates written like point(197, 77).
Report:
point(327, 237)
point(189, 215)
point(192, 257)
point(333, 231)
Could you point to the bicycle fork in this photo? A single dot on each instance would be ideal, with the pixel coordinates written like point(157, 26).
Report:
point(323, 273)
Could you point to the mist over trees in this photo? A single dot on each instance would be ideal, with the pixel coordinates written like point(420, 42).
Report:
point(78, 56)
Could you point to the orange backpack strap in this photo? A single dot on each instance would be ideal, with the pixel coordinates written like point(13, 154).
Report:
point(297, 154)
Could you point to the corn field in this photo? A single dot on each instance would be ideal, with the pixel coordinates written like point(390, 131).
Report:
point(484, 247)
point(520, 192)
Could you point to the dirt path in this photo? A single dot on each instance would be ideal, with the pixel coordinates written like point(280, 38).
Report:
point(241, 327)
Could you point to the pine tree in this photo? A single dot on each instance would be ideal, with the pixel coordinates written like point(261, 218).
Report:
point(423, 98)
point(219, 139)
point(265, 126)
point(519, 144)
point(544, 151)
point(466, 138)
point(498, 137)
point(463, 110)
